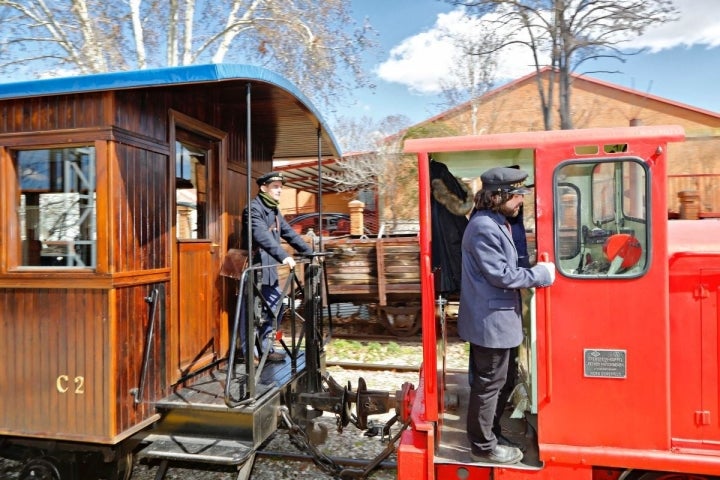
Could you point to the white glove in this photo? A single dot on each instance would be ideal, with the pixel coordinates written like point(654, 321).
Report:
point(290, 262)
point(551, 270)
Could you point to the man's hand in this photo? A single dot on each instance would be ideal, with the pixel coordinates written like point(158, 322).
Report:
point(290, 262)
point(551, 270)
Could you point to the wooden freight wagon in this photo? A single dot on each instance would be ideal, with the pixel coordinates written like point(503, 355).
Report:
point(119, 195)
point(383, 272)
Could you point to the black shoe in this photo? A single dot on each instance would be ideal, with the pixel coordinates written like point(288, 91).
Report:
point(500, 454)
point(503, 440)
point(276, 357)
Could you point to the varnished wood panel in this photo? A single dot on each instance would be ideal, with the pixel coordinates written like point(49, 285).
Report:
point(140, 207)
point(197, 329)
point(52, 113)
point(55, 363)
point(53, 339)
point(133, 315)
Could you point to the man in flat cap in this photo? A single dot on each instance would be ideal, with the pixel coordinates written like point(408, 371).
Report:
point(268, 227)
point(489, 316)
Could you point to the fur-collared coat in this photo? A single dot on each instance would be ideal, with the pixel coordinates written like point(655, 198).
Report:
point(451, 201)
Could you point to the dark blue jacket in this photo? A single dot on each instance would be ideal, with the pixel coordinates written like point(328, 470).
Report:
point(268, 227)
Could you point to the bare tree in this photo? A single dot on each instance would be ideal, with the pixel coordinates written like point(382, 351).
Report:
point(375, 161)
point(368, 146)
point(569, 33)
point(314, 43)
point(473, 71)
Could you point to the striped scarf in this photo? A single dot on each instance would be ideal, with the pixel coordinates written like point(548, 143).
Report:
point(268, 200)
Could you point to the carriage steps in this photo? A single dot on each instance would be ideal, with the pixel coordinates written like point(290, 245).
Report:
point(197, 426)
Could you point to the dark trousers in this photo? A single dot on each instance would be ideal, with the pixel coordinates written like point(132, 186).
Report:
point(506, 390)
point(489, 370)
point(272, 295)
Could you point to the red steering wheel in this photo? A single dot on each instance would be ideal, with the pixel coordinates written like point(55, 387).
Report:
point(623, 247)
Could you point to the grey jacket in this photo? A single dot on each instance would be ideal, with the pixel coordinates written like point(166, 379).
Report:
point(490, 307)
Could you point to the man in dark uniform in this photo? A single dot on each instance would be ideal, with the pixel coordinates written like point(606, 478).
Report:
point(489, 315)
point(268, 227)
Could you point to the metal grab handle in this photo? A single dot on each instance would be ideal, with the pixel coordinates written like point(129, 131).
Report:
point(545, 257)
point(152, 299)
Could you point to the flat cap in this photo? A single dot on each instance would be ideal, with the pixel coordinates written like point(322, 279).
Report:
point(270, 177)
point(505, 179)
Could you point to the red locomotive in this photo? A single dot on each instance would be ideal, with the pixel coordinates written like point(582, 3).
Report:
point(620, 364)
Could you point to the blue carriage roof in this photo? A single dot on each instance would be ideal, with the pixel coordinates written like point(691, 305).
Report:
point(184, 75)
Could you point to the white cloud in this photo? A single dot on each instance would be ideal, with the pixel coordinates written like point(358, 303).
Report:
point(698, 24)
point(421, 61)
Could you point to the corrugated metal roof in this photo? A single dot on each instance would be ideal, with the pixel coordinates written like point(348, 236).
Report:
point(276, 103)
point(304, 175)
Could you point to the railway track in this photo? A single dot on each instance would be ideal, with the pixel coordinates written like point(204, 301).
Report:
point(385, 367)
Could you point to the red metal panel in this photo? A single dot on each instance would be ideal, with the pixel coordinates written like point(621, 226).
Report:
point(412, 456)
point(586, 420)
point(695, 351)
point(551, 471)
point(556, 138)
point(430, 371)
point(629, 315)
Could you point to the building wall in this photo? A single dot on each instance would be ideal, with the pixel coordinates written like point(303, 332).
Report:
point(595, 104)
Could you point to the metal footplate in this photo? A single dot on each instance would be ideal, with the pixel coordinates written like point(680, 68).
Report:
point(197, 449)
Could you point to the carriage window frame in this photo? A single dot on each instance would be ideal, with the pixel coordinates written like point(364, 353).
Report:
point(55, 207)
point(629, 218)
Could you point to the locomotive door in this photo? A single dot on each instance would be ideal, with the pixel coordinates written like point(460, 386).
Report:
point(197, 245)
point(707, 417)
point(604, 335)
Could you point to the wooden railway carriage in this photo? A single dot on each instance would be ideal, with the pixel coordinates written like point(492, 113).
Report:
point(620, 373)
point(119, 195)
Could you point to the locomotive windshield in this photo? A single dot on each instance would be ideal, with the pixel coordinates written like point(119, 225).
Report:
point(601, 218)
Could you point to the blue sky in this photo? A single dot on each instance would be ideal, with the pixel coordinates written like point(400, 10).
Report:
point(682, 62)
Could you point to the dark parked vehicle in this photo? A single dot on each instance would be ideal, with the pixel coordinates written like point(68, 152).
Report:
point(334, 224)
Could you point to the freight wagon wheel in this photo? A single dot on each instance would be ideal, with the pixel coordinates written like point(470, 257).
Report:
point(124, 467)
point(40, 469)
point(401, 321)
point(119, 469)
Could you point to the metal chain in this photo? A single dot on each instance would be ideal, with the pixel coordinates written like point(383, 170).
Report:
point(326, 463)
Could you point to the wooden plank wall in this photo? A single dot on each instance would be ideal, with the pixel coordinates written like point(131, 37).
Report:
point(98, 334)
point(133, 316)
point(140, 199)
point(54, 363)
point(52, 113)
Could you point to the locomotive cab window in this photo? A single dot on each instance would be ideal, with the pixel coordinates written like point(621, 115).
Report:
point(56, 207)
point(601, 218)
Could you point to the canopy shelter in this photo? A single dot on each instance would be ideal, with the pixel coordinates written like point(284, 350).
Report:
point(304, 175)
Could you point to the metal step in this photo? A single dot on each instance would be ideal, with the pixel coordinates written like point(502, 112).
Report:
point(198, 409)
point(197, 449)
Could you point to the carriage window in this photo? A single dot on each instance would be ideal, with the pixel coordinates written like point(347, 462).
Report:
point(191, 195)
point(601, 212)
point(56, 207)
